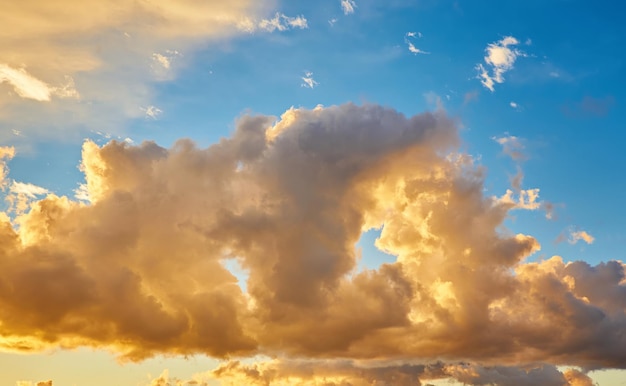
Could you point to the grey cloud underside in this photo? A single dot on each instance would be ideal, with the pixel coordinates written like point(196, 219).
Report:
point(140, 270)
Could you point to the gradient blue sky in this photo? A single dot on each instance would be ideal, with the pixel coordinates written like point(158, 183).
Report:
point(558, 105)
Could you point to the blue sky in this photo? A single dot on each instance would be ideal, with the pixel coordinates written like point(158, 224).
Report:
point(546, 107)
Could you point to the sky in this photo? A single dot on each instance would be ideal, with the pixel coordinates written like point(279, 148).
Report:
point(338, 192)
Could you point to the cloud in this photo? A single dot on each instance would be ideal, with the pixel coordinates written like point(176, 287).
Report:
point(347, 372)
point(28, 87)
point(348, 6)
point(576, 236)
point(152, 112)
point(512, 146)
point(24, 84)
point(416, 50)
point(546, 375)
point(281, 22)
point(21, 194)
point(407, 39)
point(92, 64)
point(164, 379)
point(322, 372)
point(143, 264)
point(6, 154)
point(577, 378)
point(500, 58)
point(28, 190)
point(308, 81)
point(527, 199)
point(162, 64)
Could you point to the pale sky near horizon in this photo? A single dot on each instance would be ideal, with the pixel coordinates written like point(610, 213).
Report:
point(336, 192)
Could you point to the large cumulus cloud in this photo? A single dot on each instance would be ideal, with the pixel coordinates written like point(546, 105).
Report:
point(141, 268)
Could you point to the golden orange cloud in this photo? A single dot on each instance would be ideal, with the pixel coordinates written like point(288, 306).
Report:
point(141, 268)
point(94, 61)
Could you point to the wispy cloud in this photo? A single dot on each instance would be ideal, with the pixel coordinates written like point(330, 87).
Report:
point(24, 84)
point(518, 198)
point(27, 86)
point(579, 235)
point(280, 22)
point(152, 112)
point(407, 39)
point(27, 189)
point(500, 58)
point(6, 154)
point(162, 64)
point(308, 81)
point(512, 146)
point(102, 55)
point(348, 6)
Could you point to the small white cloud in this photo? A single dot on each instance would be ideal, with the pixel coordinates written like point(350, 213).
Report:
point(500, 57)
point(416, 50)
point(513, 104)
point(348, 6)
point(576, 236)
point(16, 132)
point(332, 21)
point(152, 112)
point(281, 22)
point(308, 81)
point(411, 34)
point(410, 45)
